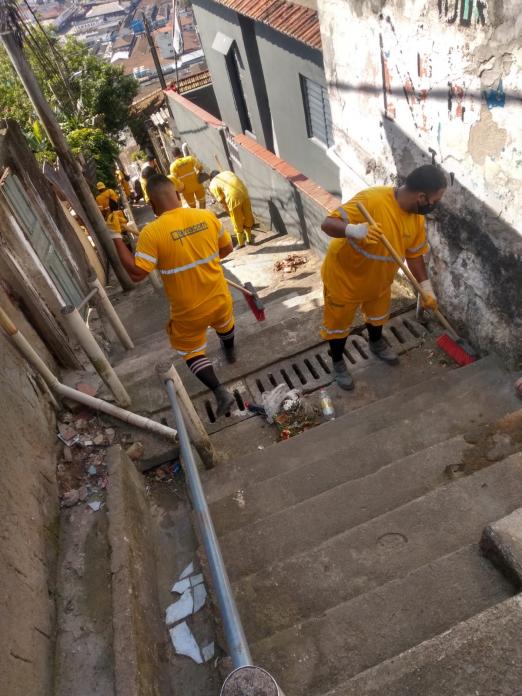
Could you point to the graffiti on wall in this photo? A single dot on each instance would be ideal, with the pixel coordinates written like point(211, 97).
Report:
point(465, 12)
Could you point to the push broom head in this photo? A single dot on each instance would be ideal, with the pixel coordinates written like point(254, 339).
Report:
point(255, 304)
point(455, 351)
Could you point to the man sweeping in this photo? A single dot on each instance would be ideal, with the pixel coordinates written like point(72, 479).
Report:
point(358, 270)
point(186, 246)
point(232, 194)
point(186, 169)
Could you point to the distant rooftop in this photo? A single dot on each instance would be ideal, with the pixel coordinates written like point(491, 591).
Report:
point(105, 9)
point(294, 20)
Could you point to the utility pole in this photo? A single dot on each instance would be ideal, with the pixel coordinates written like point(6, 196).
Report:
point(154, 52)
point(14, 51)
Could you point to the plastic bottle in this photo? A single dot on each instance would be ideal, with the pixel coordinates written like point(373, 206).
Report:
point(327, 406)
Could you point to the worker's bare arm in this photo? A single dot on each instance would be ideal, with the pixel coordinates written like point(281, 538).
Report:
point(418, 267)
point(136, 274)
point(225, 251)
point(334, 227)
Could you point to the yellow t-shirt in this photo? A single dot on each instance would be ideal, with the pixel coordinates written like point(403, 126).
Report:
point(228, 188)
point(186, 169)
point(357, 271)
point(183, 244)
point(103, 198)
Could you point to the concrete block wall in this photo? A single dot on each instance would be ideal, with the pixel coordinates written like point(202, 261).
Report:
point(282, 197)
point(28, 521)
point(411, 81)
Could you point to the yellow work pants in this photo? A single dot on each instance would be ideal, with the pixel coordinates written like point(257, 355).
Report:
point(195, 197)
point(243, 221)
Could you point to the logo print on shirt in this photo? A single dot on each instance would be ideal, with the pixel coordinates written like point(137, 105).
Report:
point(179, 235)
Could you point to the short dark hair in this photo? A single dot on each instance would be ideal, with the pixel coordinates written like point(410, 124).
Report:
point(213, 173)
point(147, 172)
point(156, 182)
point(178, 152)
point(426, 179)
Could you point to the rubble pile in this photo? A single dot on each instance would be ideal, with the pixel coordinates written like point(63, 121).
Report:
point(290, 263)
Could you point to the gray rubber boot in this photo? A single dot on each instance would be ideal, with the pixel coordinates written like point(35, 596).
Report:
point(224, 401)
point(383, 351)
point(343, 378)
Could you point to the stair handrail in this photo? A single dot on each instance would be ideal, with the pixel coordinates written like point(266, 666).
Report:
point(234, 633)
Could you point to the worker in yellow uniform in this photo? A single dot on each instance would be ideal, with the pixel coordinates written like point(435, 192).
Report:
point(123, 182)
point(107, 199)
point(231, 192)
point(186, 246)
point(187, 170)
point(358, 270)
point(145, 173)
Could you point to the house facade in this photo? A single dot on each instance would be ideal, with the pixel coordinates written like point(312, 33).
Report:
point(266, 63)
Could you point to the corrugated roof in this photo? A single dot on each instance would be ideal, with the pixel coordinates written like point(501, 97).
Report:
point(297, 21)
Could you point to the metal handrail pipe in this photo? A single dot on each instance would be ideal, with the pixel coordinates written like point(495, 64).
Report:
point(86, 299)
point(234, 634)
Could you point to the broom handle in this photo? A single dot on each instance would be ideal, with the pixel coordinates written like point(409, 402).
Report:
point(441, 318)
point(239, 287)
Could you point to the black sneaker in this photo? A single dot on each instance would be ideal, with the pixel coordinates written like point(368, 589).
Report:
point(230, 354)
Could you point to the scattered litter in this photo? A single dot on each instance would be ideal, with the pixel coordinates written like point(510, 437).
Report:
point(95, 505)
point(83, 493)
point(207, 651)
point(99, 440)
point(69, 442)
point(196, 579)
point(290, 263)
point(260, 447)
point(110, 434)
point(92, 471)
point(67, 454)
point(199, 598)
point(188, 571)
point(180, 609)
point(87, 443)
point(239, 498)
point(289, 410)
point(184, 642)
point(181, 586)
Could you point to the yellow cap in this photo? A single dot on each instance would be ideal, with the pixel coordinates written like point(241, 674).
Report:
point(100, 186)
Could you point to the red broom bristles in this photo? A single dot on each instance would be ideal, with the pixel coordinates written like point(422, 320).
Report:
point(258, 313)
point(455, 352)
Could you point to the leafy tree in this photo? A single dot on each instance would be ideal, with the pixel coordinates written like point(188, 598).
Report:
point(96, 143)
point(82, 89)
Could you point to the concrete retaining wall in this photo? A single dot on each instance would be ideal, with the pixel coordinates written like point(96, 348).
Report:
point(411, 81)
point(283, 199)
point(28, 522)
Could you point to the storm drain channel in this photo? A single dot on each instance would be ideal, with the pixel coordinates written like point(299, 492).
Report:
point(309, 370)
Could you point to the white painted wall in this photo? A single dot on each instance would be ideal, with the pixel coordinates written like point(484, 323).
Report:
point(409, 79)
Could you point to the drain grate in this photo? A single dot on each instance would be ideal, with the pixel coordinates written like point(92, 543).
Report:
point(205, 406)
point(312, 369)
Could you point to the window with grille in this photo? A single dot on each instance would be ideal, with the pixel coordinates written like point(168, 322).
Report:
point(317, 111)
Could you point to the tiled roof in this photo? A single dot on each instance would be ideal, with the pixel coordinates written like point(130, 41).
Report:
point(186, 84)
point(297, 21)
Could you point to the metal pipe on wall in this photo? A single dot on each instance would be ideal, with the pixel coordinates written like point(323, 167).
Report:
point(110, 313)
point(83, 335)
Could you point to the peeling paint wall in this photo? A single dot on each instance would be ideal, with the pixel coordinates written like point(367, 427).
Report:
point(415, 81)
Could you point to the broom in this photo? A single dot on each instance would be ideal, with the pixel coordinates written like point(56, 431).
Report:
point(252, 298)
point(451, 343)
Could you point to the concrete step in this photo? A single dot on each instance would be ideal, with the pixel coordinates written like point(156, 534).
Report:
point(313, 656)
point(364, 557)
point(443, 406)
point(308, 523)
point(481, 657)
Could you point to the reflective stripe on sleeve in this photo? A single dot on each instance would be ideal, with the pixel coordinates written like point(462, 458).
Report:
point(180, 269)
point(221, 232)
point(147, 257)
point(342, 212)
point(417, 248)
point(374, 257)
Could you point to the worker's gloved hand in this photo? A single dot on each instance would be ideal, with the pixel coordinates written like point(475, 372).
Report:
point(428, 297)
point(114, 225)
point(374, 233)
point(358, 231)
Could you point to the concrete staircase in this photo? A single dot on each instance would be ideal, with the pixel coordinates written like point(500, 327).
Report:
point(353, 549)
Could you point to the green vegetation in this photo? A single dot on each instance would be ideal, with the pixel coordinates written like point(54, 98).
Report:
point(91, 98)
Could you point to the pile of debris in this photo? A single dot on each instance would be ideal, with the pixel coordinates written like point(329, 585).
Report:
point(290, 263)
point(81, 471)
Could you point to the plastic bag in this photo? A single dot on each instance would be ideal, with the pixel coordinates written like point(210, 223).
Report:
point(273, 400)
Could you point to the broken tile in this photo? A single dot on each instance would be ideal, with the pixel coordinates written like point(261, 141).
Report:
point(180, 609)
point(184, 642)
point(196, 579)
point(188, 571)
point(207, 651)
point(200, 596)
point(181, 586)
